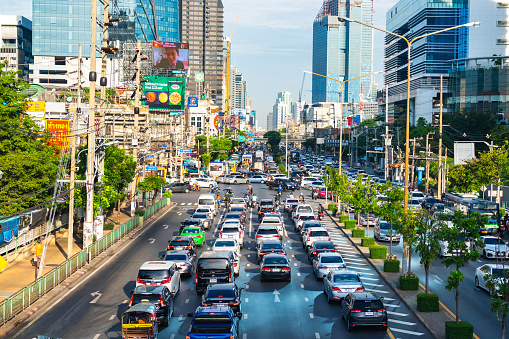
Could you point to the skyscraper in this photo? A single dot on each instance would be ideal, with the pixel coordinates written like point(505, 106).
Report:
point(201, 25)
point(281, 108)
point(342, 50)
point(237, 89)
point(16, 43)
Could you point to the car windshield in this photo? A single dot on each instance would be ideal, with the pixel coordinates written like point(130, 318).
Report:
point(276, 261)
point(153, 274)
point(385, 226)
point(494, 241)
point(224, 243)
point(271, 247)
point(500, 272)
point(367, 305)
point(226, 294)
point(212, 264)
point(175, 257)
point(331, 259)
point(346, 278)
point(191, 231)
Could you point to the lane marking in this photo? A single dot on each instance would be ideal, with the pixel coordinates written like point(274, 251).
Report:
point(244, 336)
point(377, 291)
point(390, 305)
point(317, 335)
point(295, 264)
point(245, 315)
point(374, 285)
point(187, 301)
point(301, 285)
point(311, 315)
point(182, 204)
point(402, 322)
point(306, 299)
point(97, 336)
point(172, 336)
point(407, 332)
point(247, 287)
point(246, 300)
point(298, 274)
point(397, 313)
point(360, 268)
point(125, 301)
point(189, 204)
point(181, 317)
point(112, 317)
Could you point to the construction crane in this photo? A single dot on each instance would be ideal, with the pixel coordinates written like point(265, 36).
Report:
point(227, 96)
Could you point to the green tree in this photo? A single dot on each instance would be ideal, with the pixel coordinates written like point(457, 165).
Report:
point(339, 184)
point(363, 197)
point(205, 160)
point(28, 162)
point(407, 227)
point(309, 143)
point(427, 243)
point(455, 235)
point(273, 139)
point(391, 206)
point(498, 284)
point(152, 183)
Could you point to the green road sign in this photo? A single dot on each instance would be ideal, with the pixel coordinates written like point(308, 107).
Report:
point(199, 76)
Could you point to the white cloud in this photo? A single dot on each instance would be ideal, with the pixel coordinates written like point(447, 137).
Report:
point(19, 7)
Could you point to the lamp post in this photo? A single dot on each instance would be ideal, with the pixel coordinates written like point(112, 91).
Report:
point(341, 114)
point(409, 43)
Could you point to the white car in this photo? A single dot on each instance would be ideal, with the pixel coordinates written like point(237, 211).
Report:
point(485, 270)
point(235, 231)
point(414, 204)
point(204, 182)
point(261, 178)
point(209, 211)
point(238, 202)
point(494, 247)
point(227, 244)
point(306, 181)
point(417, 195)
point(315, 185)
point(315, 234)
point(302, 218)
point(273, 219)
point(302, 208)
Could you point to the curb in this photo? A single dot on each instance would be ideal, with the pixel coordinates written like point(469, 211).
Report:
point(43, 301)
point(390, 284)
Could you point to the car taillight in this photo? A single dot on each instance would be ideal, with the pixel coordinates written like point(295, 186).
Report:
point(188, 247)
point(258, 236)
point(233, 304)
point(265, 269)
point(353, 310)
point(207, 304)
point(328, 238)
point(235, 264)
point(230, 277)
point(322, 267)
point(314, 252)
point(360, 288)
point(131, 301)
point(169, 248)
point(221, 234)
point(197, 278)
point(382, 310)
point(286, 269)
point(334, 288)
point(161, 301)
point(342, 266)
point(184, 265)
point(139, 281)
point(240, 233)
point(165, 281)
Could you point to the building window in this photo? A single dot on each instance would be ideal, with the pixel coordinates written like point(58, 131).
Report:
point(59, 61)
point(502, 5)
point(502, 42)
point(502, 23)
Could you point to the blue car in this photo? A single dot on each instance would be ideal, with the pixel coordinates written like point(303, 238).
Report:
point(214, 322)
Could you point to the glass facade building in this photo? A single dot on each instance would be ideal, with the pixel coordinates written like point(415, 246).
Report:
point(342, 50)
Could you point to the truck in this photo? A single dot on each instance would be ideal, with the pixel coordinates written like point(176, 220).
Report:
point(258, 166)
point(259, 156)
point(247, 159)
point(214, 322)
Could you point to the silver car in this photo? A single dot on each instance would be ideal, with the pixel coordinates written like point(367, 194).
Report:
point(326, 262)
point(339, 283)
point(184, 260)
point(383, 232)
point(204, 218)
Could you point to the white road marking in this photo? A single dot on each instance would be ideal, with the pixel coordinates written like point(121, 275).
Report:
point(247, 287)
point(247, 274)
point(276, 296)
point(244, 336)
point(246, 300)
point(402, 322)
point(187, 301)
point(179, 213)
point(182, 204)
point(301, 285)
point(398, 314)
point(388, 299)
point(298, 274)
point(166, 226)
point(181, 317)
point(372, 279)
point(311, 315)
point(390, 305)
point(245, 315)
point(112, 317)
point(317, 335)
point(374, 285)
point(306, 299)
point(96, 296)
point(294, 264)
point(377, 291)
point(172, 336)
point(406, 332)
point(125, 301)
point(359, 268)
point(248, 265)
point(189, 204)
point(97, 336)
point(437, 278)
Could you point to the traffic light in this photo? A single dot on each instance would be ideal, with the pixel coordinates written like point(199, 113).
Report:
point(436, 118)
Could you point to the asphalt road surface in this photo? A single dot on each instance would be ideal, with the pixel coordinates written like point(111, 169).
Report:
point(296, 309)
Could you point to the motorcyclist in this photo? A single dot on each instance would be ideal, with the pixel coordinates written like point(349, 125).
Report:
point(250, 189)
point(320, 211)
point(280, 188)
point(301, 198)
point(253, 200)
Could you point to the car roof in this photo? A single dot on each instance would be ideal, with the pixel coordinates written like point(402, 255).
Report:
point(146, 289)
point(180, 238)
point(221, 286)
point(365, 296)
point(215, 254)
point(317, 229)
point(156, 265)
point(330, 254)
point(268, 226)
point(277, 255)
point(271, 241)
point(177, 252)
point(213, 309)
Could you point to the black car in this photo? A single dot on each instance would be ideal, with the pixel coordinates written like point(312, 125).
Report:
point(268, 246)
point(235, 215)
point(320, 247)
point(275, 266)
point(178, 187)
point(158, 295)
point(429, 203)
point(190, 222)
point(223, 295)
point(286, 184)
point(263, 211)
point(182, 243)
point(364, 309)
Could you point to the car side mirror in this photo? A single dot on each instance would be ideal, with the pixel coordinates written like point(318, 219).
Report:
point(239, 315)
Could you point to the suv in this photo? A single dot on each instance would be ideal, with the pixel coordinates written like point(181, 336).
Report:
point(234, 231)
point(364, 309)
point(314, 234)
point(213, 322)
point(182, 243)
point(160, 296)
point(267, 232)
point(223, 295)
point(163, 273)
point(214, 267)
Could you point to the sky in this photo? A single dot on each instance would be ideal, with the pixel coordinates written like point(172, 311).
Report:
point(271, 44)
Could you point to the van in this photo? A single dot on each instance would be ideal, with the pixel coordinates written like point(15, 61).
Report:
point(207, 201)
point(214, 267)
point(159, 273)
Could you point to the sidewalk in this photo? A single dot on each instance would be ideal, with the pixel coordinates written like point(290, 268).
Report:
point(20, 272)
point(433, 321)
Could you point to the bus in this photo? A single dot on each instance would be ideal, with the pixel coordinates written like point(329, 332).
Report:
point(468, 203)
point(216, 169)
point(294, 157)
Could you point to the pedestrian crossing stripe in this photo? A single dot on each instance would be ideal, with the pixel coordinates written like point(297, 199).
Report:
point(401, 321)
point(378, 291)
point(359, 268)
point(373, 285)
point(406, 332)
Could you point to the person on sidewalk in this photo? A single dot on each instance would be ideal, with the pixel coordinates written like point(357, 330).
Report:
point(38, 248)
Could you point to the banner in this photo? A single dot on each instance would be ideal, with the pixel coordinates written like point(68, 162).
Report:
point(59, 128)
point(36, 109)
point(164, 94)
point(170, 55)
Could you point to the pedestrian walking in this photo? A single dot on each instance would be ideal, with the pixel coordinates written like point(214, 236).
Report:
point(38, 248)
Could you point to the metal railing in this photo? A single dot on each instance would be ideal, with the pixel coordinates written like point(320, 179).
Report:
point(22, 299)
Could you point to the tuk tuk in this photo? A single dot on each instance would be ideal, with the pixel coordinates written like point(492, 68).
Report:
point(140, 321)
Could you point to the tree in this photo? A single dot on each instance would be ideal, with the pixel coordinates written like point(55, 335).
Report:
point(391, 206)
point(407, 227)
point(205, 160)
point(455, 235)
point(339, 184)
point(363, 197)
point(499, 299)
point(273, 139)
point(28, 162)
point(152, 183)
point(427, 244)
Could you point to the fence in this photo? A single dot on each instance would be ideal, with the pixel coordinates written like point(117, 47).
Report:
point(22, 299)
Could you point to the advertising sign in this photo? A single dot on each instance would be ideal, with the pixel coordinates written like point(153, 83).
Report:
point(170, 55)
point(242, 138)
point(59, 128)
point(164, 94)
point(199, 76)
point(216, 122)
point(250, 139)
point(192, 102)
point(36, 109)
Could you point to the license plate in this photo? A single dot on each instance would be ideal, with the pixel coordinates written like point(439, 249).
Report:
point(179, 248)
point(276, 270)
point(369, 313)
point(213, 280)
point(153, 283)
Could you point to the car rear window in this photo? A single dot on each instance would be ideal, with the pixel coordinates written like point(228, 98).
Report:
point(292, 201)
point(305, 209)
point(271, 221)
point(205, 201)
point(191, 231)
point(153, 274)
point(331, 259)
point(272, 247)
point(267, 231)
point(179, 242)
point(346, 278)
point(200, 216)
point(230, 230)
point(237, 201)
point(276, 261)
point(212, 329)
point(227, 294)
point(152, 298)
point(307, 217)
point(318, 234)
point(175, 257)
point(220, 243)
point(324, 245)
point(367, 305)
point(212, 319)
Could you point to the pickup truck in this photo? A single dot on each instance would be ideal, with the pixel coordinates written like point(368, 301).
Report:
point(214, 322)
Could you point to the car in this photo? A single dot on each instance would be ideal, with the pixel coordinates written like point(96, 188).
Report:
point(190, 222)
point(265, 203)
point(314, 234)
point(306, 181)
point(285, 183)
point(415, 204)
point(258, 178)
point(500, 271)
point(494, 247)
point(444, 246)
point(197, 233)
point(315, 184)
point(337, 284)
point(158, 295)
point(321, 192)
point(429, 203)
point(214, 322)
point(273, 219)
point(226, 244)
point(370, 218)
point(223, 295)
point(184, 260)
point(364, 309)
point(178, 187)
point(306, 225)
point(208, 200)
point(204, 218)
point(180, 243)
point(206, 210)
point(417, 195)
point(267, 232)
point(289, 202)
point(233, 231)
point(205, 182)
point(326, 262)
point(320, 247)
point(383, 232)
point(221, 179)
point(301, 208)
point(159, 273)
point(238, 202)
point(267, 246)
point(236, 216)
point(239, 210)
point(302, 218)
point(238, 179)
point(264, 210)
point(275, 266)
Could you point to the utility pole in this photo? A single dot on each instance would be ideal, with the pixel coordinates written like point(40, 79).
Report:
point(135, 128)
point(207, 121)
point(88, 229)
point(439, 195)
point(70, 230)
point(427, 159)
point(387, 138)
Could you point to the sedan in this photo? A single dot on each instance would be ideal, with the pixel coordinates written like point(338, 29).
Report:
point(338, 284)
point(320, 247)
point(221, 179)
point(223, 295)
point(196, 233)
point(226, 244)
point(184, 260)
point(204, 218)
point(383, 232)
point(205, 182)
point(315, 185)
point(494, 247)
point(484, 272)
point(258, 178)
point(275, 266)
point(267, 247)
point(178, 187)
point(364, 309)
point(238, 179)
point(326, 262)
point(179, 243)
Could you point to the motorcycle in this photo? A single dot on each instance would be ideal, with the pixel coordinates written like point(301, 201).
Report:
point(320, 215)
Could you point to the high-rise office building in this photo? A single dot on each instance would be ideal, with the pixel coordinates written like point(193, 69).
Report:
point(270, 121)
point(238, 93)
point(201, 25)
point(297, 108)
point(281, 109)
point(16, 43)
point(429, 56)
point(342, 50)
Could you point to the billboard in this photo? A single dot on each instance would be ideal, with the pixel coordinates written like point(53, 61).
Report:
point(463, 152)
point(36, 109)
point(170, 55)
point(59, 128)
point(165, 94)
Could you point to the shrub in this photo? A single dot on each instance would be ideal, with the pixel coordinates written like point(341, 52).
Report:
point(331, 206)
point(140, 212)
point(378, 252)
point(462, 331)
point(344, 218)
point(391, 265)
point(428, 302)
point(409, 282)
point(168, 194)
point(350, 224)
point(109, 226)
point(367, 242)
point(358, 233)
point(334, 210)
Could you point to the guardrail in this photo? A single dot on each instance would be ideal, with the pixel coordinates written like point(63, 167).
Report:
point(22, 299)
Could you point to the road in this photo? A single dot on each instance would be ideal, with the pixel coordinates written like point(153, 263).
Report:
point(297, 309)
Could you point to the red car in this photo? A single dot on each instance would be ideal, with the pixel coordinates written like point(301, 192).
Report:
point(321, 193)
